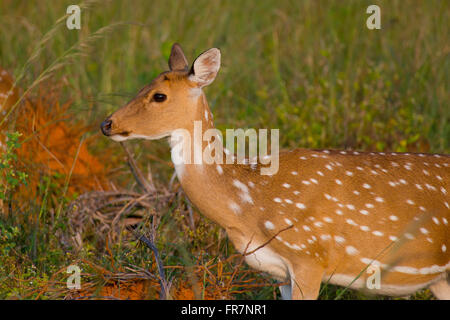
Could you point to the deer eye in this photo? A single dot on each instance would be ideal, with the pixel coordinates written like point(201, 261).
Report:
point(159, 97)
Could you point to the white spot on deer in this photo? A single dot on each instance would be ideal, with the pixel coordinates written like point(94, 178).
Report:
point(288, 201)
point(338, 181)
point(300, 205)
point(379, 199)
point(425, 172)
point(269, 225)
point(369, 205)
point(339, 239)
point(377, 233)
point(325, 237)
point(435, 220)
point(219, 169)
point(286, 185)
point(318, 224)
point(409, 201)
point(444, 248)
point(306, 182)
point(351, 207)
point(320, 173)
point(418, 186)
point(289, 222)
point(364, 212)
point(393, 218)
point(339, 212)
point(296, 192)
point(328, 219)
point(364, 228)
point(245, 195)
point(306, 228)
point(443, 190)
point(314, 180)
point(234, 207)
point(294, 173)
point(277, 200)
point(393, 238)
point(351, 222)
point(351, 250)
point(329, 167)
point(366, 186)
point(356, 192)
point(392, 184)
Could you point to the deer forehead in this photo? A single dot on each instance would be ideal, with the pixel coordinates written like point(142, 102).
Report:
point(169, 81)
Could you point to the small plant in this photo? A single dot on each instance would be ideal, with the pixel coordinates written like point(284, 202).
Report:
point(10, 176)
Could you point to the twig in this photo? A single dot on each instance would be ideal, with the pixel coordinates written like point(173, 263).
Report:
point(148, 186)
point(125, 207)
point(265, 243)
point(162, 277)
point(191, 214)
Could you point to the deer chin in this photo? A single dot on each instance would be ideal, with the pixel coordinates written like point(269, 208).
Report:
point(128, 136)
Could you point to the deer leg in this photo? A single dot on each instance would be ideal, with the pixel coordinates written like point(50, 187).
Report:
point(441, 289)
point(306, 280)
point(286, 292)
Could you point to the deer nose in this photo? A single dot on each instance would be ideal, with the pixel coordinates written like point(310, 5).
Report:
point(106, 127)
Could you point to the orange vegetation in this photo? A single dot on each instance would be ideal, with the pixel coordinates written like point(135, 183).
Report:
point(139, 289)
point(51, 141)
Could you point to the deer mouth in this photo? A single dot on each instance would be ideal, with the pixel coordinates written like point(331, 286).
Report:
point(120, 136)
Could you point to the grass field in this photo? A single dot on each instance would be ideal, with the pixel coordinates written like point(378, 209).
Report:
point(310, 68)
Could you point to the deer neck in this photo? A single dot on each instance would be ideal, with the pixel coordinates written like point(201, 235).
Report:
point(206, 185)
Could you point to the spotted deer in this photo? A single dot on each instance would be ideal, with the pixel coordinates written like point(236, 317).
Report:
point(325, 216)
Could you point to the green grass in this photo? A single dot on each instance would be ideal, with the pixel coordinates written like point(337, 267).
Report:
point(310, 68)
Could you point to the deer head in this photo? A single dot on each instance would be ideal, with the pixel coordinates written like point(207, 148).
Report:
point(168, 103)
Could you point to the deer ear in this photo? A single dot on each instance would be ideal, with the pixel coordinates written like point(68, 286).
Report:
point(177, 60)
point(205, 68)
